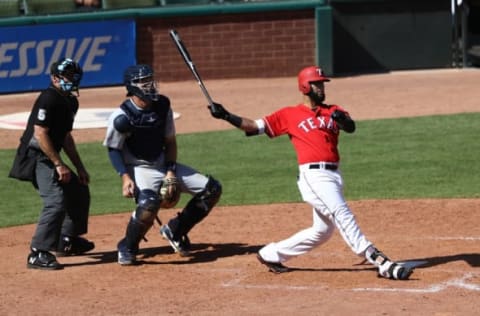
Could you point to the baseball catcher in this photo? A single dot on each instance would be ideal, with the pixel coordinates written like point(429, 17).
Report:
point(142, 148)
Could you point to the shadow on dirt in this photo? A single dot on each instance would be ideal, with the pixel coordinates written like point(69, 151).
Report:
point(204, 252)
point(212, 252)
point(99, 257)
point(199, 253)
point(472, 259)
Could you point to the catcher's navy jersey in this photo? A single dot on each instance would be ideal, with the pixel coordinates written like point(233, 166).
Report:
point(144, 143)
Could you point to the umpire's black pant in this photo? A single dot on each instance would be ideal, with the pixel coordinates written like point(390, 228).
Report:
point(65, 207)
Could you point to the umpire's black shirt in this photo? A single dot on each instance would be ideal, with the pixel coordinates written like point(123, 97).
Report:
point(53, 110)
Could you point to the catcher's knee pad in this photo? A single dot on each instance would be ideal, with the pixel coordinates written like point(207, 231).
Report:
point(201, 204)
point(147, 207)
point(209, 197)
point(197, 208)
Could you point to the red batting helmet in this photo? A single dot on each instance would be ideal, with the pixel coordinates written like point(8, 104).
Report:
point(310, 74)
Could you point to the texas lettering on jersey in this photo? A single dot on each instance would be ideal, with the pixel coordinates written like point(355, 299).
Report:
point(313, 134)
point(319, 122)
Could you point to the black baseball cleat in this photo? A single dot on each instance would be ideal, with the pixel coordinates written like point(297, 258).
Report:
point(42, 260)
point(389, 269)
point(399, 272)
point(275, 267)
point(182, 246)
point(73, 246)
point(126, 257)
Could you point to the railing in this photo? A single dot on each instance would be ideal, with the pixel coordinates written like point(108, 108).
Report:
point(25, 12)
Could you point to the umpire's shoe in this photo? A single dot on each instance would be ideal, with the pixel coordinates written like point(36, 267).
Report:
point(73, 246)
point(180, 246)
point(44, 260)
point(275, 267)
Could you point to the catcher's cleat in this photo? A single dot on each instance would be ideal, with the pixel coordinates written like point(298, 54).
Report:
point(73, 246)
point(275, 267)
point(126, 257)
point(42, 260)
point(180, 246)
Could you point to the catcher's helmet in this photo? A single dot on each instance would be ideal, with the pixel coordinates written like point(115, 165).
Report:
point(69, 69)
point(310, 74)
point(139, 81)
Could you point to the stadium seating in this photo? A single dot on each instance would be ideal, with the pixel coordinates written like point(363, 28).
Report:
point(125, 4)
point(46, 7)
point(13, 8)
point(187, 2)
point(9, 8)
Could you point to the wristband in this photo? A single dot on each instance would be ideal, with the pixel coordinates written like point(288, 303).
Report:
point(234, 120)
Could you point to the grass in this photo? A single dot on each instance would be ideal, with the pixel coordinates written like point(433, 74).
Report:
point(423, 157)
point(426, 157)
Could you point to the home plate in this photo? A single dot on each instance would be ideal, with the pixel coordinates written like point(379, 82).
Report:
point(86, 118)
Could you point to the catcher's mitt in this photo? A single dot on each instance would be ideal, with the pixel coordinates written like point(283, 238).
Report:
point(169, 193)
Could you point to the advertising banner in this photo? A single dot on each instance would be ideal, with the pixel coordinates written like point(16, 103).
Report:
point(103, 49)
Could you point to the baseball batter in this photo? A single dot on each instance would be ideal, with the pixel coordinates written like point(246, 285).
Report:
point(313, 128)
point(142, 148)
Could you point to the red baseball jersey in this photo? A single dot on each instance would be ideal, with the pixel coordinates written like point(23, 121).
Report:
point(313, 133)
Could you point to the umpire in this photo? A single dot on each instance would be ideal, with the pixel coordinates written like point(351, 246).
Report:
point(65, 194)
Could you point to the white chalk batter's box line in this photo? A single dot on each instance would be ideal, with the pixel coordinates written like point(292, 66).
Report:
point(453, 238)
point(461, 283)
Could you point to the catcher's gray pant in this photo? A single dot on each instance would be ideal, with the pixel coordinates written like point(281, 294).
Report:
point(65, 207)
point(150, 177)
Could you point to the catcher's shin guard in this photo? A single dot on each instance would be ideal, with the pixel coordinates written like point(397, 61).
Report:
point(196, 209)
point(136, 229)
point(142, 219)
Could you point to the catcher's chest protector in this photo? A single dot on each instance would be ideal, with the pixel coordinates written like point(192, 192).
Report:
point(148, 129)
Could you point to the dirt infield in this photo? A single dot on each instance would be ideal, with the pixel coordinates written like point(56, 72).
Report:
point(222, 277)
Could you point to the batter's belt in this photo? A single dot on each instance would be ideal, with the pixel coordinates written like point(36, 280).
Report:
point(323, 165)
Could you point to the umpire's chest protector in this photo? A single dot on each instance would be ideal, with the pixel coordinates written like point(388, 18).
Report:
point(146, 140)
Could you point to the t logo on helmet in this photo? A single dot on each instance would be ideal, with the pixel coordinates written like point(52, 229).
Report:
point(310, 74)
point(320, 72)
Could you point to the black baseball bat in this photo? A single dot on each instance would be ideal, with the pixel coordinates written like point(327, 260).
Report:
point(188, 60)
